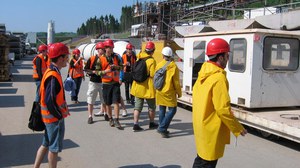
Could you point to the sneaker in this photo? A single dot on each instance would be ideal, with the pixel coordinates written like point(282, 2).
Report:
point(124, 113)
point(99, 114)
point(153, 125)
point(164, 134)
point(90, 120)
point(111, 122)
point(117, 123)
point(137, 128)
point(106, 117)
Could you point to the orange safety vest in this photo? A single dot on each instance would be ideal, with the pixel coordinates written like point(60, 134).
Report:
point(44, 64)
point(110, 76)
point(60, 99)
point(77, 71)
point(132, 60)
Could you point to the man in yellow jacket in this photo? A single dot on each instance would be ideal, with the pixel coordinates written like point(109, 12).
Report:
point(145, 90)
point(212, 116)
point(168, 94)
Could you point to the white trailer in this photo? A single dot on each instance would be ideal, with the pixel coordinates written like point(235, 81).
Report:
point(263, 74)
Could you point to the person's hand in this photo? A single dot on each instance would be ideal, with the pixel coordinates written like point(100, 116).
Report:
point(244, 132)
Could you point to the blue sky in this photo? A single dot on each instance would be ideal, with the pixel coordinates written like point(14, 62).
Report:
point(68, 15)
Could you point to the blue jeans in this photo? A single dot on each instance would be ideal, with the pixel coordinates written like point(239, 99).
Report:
point(165, 118)
point(37, 93)
point(78, 82)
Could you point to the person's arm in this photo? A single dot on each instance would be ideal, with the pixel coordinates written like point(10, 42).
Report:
point(38, 63)
point(72, 65)
point(52, 89)
point(176, 82)
point(221, 101)
point(152, 67)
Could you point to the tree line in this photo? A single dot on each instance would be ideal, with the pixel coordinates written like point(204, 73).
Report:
point(107, 24)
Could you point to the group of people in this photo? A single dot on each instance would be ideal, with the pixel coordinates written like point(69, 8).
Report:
point(212, 116)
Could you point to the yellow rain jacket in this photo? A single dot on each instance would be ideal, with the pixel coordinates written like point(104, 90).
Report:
point(212, 117)
point(167, 96)
point(145, 89)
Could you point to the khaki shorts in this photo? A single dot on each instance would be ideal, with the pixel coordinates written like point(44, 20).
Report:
point(93, 90)
point(139, 103)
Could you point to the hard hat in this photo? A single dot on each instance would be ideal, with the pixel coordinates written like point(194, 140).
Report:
point(150, 46)
point(42, 48)
point(217, 46)
point(57, 49)
point(108, 43)
point(129, 46)
point(76, 52)
point(100, 45)
point(167, 51)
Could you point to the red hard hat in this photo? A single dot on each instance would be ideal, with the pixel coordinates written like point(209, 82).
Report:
point(42, 48)
point(109, 43)
point(100, 45)
point(76, 52)
point(129, 46)
point(150, 46)
point(57, 49)
point(217, 46)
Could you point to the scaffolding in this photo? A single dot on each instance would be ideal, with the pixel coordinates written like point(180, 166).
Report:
point(158, 19)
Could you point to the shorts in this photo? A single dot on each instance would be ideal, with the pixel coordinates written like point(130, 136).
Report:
point(93, 90)
point(139, 103)
point(111, 93)
point(54, 136)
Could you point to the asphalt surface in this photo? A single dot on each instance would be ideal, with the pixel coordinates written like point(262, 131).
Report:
point(98, 145)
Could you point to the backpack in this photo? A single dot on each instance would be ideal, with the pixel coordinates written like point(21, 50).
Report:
point(159, 77)
point(35, 120)
point(139, 70)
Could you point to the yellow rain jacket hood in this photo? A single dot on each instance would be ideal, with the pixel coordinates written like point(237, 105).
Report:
point(145, 89)
point(212, 117)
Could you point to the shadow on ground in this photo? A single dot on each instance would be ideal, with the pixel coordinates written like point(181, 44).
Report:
point(20, 150)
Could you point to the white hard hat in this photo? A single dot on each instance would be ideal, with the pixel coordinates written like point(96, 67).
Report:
point(167, 51)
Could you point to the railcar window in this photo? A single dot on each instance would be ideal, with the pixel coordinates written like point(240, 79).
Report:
point(237, 55)
point(281, 54)
point(198, 58)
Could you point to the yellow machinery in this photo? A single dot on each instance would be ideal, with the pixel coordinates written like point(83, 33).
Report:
point(159, 45)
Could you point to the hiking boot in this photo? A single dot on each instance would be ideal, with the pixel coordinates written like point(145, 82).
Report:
point(117, 123)
point(111, 122)
point(164, 134)
point(106, 117)
point(153, 125)
point(99, 114)
point(137, 128)
point(124, 113)
point(90, 120)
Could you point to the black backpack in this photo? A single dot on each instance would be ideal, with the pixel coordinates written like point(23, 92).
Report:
point(139, 70)
point(35, 120)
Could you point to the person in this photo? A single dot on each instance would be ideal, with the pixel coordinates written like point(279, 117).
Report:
point(212, 116)
point(145, 90)
point(124, 111)
point(109, 69)
point(53, 106)
point(40, 64)
point(76, 73)
point(129, 59)
point(95, 84)
point(167, 95)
